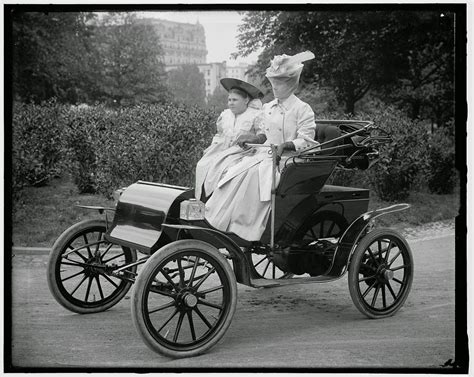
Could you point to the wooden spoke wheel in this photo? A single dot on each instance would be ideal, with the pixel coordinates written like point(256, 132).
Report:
point(80, 267)
point(184, 299)
point(380, 273)
point(323, 224)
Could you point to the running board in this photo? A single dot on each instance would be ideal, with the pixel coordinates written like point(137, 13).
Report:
point(271, 283)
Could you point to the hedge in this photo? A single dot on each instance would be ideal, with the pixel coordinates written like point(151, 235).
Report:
point(442, 175)
point(36, 143)
point(104, 149)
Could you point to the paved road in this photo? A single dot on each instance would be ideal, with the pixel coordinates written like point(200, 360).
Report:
point(302, 326)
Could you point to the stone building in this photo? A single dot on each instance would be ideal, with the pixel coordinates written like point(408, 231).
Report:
point(212, 72)
point(182, 43)
point(238, 71)
point(185, 43)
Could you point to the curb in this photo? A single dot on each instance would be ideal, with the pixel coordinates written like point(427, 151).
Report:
point(18, 250)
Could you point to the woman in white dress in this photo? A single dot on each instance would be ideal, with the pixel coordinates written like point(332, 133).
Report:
point(241, 201)
point(243, 117)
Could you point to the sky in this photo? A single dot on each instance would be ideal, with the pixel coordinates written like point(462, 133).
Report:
point(220, 28)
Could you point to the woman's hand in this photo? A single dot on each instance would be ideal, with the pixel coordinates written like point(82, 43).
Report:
point(243, 140)
point(287, 146)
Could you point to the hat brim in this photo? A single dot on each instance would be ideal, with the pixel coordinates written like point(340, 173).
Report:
point(229, 83)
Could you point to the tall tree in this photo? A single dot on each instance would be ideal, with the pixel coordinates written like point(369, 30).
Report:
point(187, 85)
point(425, 82)
point(127, 64)
point(218, 99)
point(357, 52)
point(50, 55)
point(345, 45)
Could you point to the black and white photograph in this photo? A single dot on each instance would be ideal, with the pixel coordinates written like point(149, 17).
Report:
point(221, 188)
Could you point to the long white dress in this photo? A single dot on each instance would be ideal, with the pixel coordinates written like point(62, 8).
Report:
point(222, 152)
point(241, 201)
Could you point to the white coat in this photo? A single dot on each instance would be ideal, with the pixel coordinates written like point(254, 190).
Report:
point(241, 201)
point(222, 153)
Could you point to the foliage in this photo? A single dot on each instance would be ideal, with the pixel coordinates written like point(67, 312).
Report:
point(425, 81)
point(160, 143)
point(50, 55)
point(442, 176)
point(402, 159)
point(218, 99)
point(36, 139)
point(126, 61)
point(404, 56)
point(321, 100)
point(104, 149)
point(83, 132)
point(78, 58)
point(187, 85)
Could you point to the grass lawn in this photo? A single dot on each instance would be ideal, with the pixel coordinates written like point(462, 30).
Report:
point(44, 213)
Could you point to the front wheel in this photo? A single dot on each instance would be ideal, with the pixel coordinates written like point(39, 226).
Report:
point(380, 273)
point(184, 299)
point(80, 269)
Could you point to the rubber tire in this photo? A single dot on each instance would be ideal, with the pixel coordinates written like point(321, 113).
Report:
point(353, 279)
point(139, 292)
point(55, 255)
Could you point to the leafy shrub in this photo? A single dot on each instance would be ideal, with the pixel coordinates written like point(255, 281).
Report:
point(85, 127)
point(159, 143)
point(36, 143)
point(442, 173)
point(104, 149)
point(401, 159)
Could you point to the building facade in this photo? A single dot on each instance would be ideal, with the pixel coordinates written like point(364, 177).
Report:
point(238, 72)
point(182, 43)
point(213, 73)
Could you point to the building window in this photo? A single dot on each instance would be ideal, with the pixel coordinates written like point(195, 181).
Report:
point(208, 82)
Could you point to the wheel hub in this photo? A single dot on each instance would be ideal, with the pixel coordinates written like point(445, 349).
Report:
point(384, 274)
point(388, 274)
point(186, 299)
point(95, 266)
point(190, 300)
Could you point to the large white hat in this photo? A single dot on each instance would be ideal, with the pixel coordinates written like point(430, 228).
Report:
point(288, 66)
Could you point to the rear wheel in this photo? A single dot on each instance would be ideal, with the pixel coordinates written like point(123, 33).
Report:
point(184, 299)
point(380, 273)
point(80, 266)
point(266, 268)
point(323, 224)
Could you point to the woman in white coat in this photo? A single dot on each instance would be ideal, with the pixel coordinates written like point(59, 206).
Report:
point(242, 118)
point(241, 201)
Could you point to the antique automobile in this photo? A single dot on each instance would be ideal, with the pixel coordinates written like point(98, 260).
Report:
point(184, 291)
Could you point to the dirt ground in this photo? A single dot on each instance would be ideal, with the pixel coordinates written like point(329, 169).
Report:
point(301, 327)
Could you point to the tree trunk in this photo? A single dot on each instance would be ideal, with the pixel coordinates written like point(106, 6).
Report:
point(415, 109)
point(350, 106)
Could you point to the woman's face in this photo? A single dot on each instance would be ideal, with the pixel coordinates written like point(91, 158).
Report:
point(237, 104)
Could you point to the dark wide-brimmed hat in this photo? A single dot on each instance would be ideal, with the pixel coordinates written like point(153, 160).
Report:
point(230, 83)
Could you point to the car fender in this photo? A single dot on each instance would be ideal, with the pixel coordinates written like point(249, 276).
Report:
point(348, 241)
point(220, 241)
